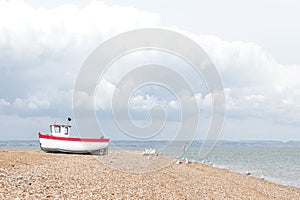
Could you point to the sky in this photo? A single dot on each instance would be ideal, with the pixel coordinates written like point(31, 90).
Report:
point(253, 44)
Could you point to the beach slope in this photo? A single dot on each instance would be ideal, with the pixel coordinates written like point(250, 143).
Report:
point(40, 175)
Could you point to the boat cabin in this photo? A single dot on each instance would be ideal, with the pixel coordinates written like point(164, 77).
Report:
point(60, 130)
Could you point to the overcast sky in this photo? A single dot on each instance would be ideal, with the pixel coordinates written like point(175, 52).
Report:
point(255, 46)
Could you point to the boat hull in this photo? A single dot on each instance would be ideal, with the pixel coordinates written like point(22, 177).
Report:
point(73, 145)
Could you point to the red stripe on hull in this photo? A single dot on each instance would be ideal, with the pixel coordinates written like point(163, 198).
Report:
point(73, 139)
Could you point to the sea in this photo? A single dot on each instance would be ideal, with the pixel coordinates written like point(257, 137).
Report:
point(275, 161)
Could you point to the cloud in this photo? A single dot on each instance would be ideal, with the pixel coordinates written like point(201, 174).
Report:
point(42, 51)
point(4, 103)
point(256, 85)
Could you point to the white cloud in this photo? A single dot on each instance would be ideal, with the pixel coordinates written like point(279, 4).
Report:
point(256, 84)
point(32, 103)
point(4, 103)
point(103, 95)
point(42, 50)
point(173, 104)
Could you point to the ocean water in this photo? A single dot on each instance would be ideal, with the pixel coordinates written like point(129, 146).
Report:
point(278, 162)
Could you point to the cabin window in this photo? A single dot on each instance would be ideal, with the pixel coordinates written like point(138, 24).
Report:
point(66, 131)
point(57, 129)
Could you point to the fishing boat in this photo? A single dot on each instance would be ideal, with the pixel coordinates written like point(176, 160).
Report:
point(59, 140)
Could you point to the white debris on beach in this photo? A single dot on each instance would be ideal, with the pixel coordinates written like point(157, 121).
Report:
point(150, 151)
point(187, 161)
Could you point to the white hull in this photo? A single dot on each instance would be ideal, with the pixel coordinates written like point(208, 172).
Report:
point(68, 146)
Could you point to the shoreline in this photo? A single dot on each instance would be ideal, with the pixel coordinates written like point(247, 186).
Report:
point(36, 174)
point(278, 171)
point(244, 173)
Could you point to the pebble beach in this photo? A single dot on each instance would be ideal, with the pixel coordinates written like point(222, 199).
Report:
point(125, 175)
